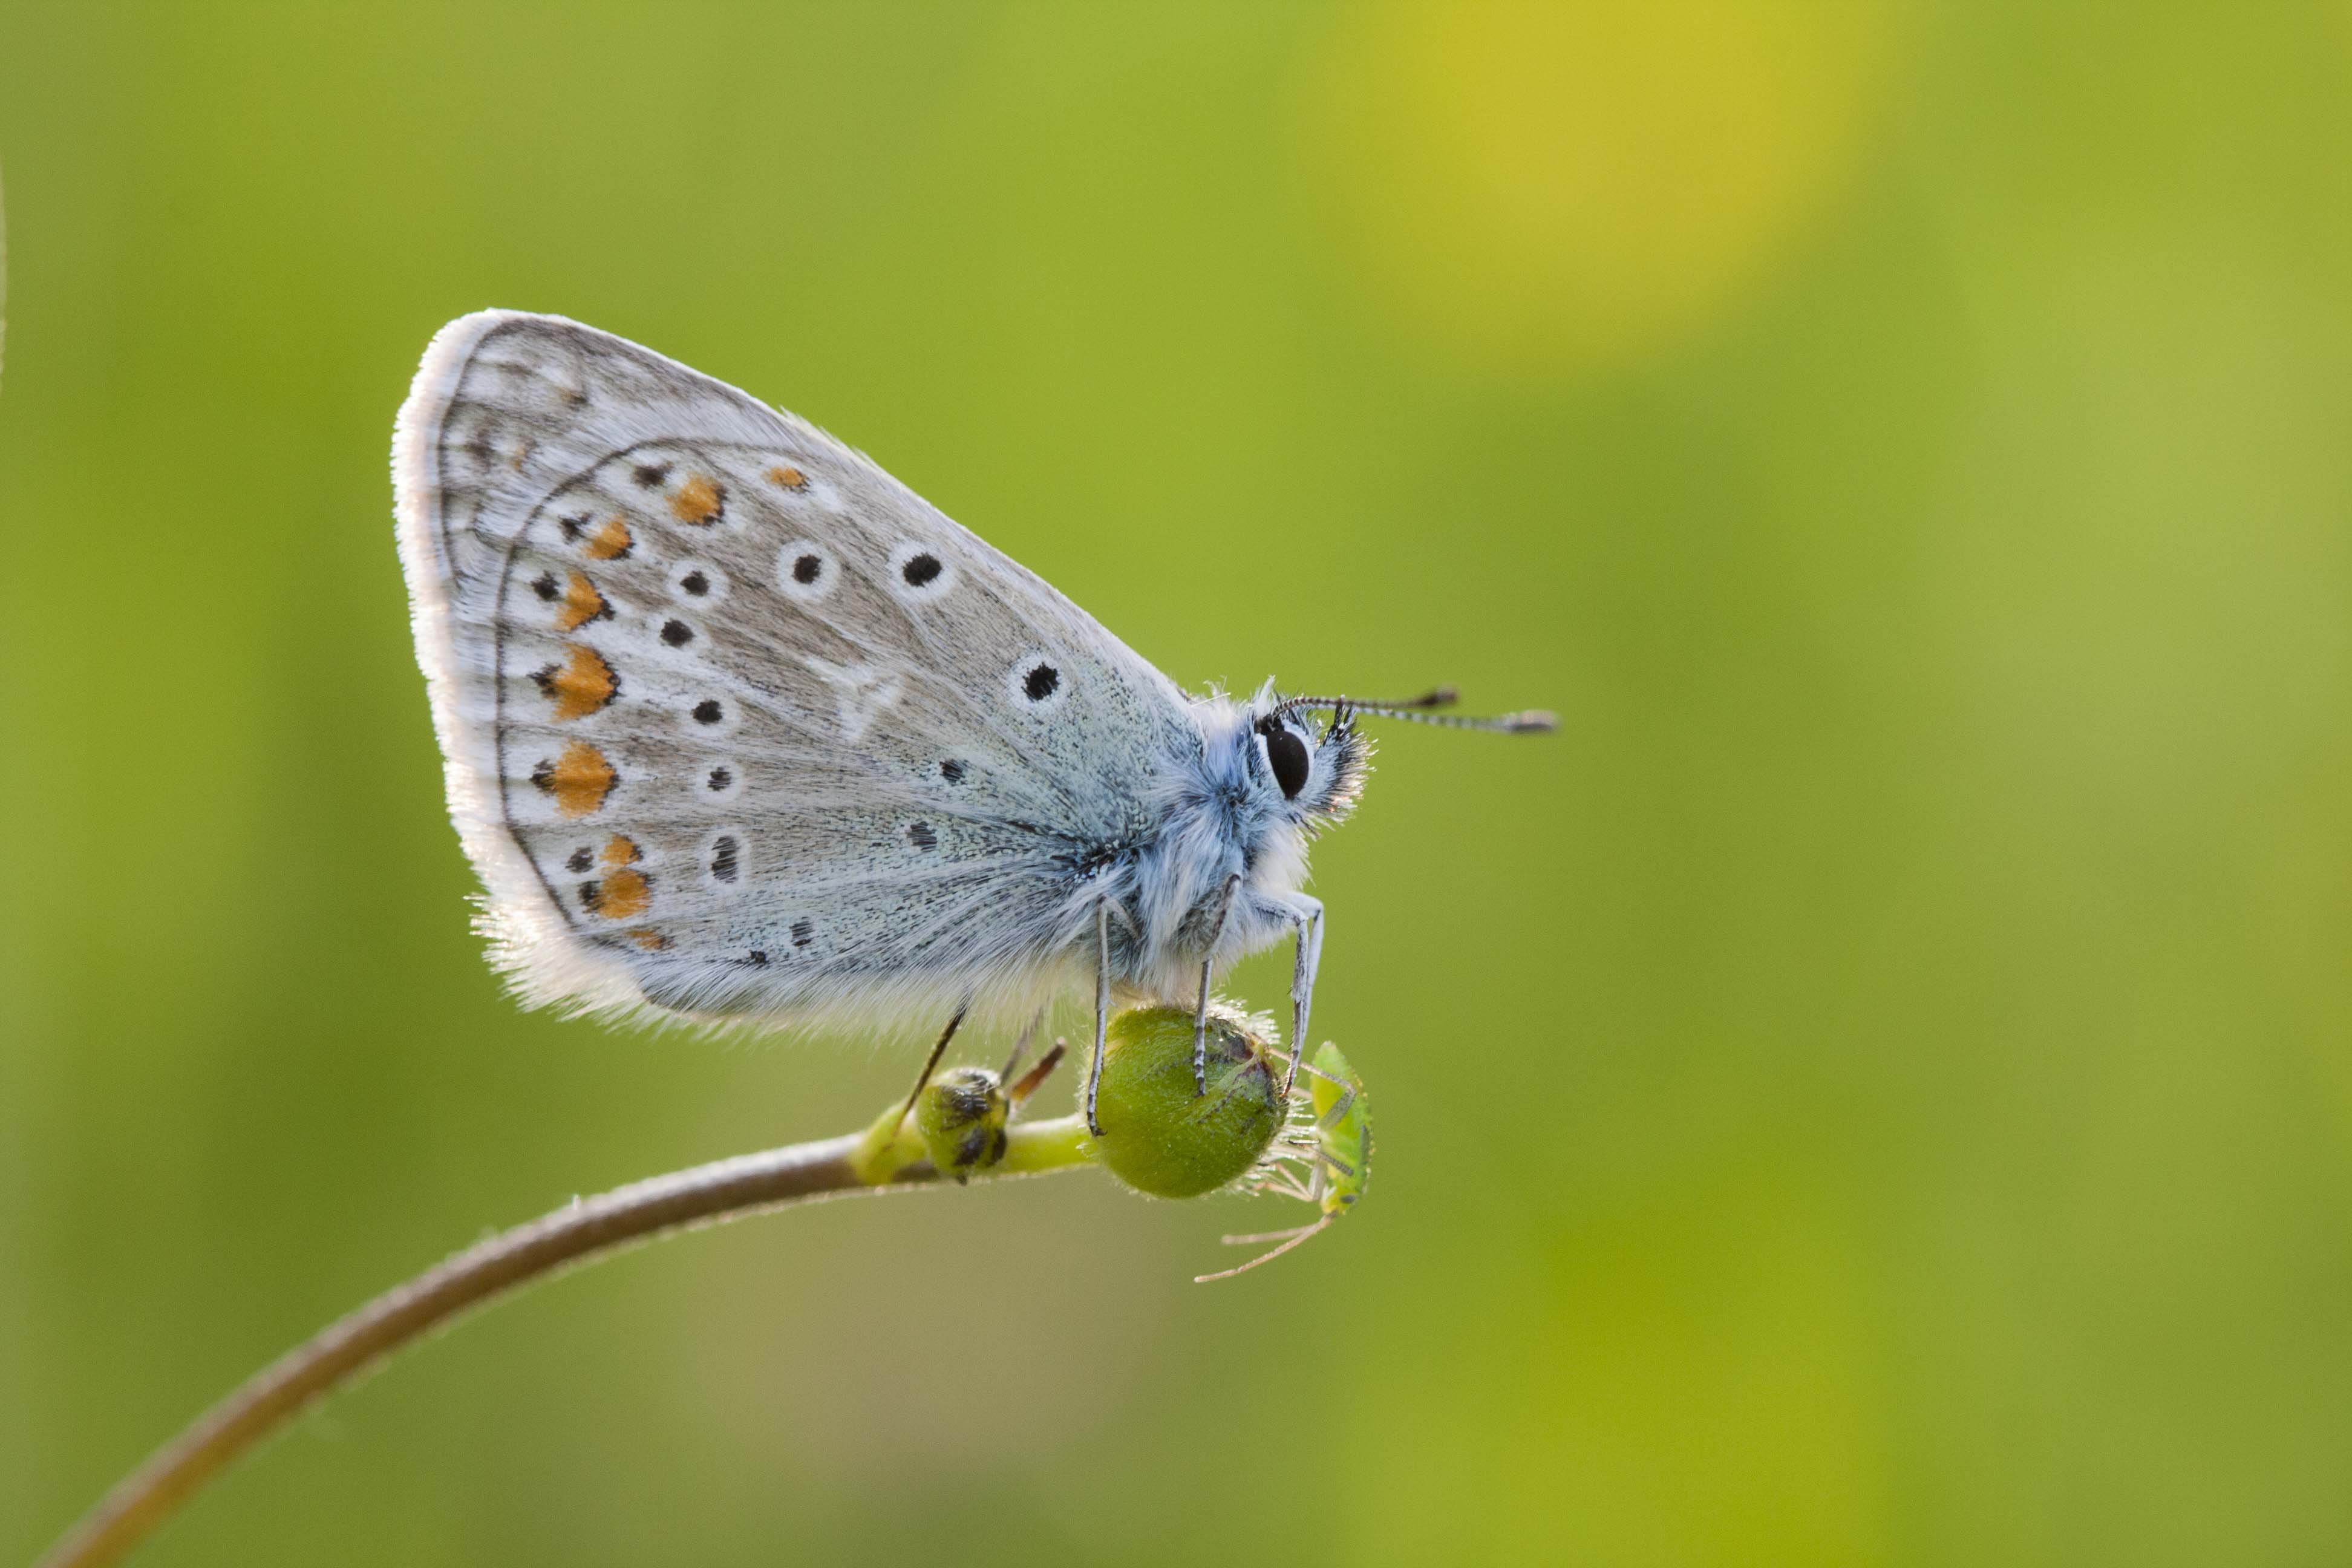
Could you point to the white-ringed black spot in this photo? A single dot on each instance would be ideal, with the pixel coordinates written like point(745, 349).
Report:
point(649, 475)
point(544, 585)
point(803, 932)
point(918, 575)
point(952, 771)
point(922, 836)
point(720, 780)
point(581, 860)
point(708, 711)
point(576, 525)
point(806, 571)
point(695, 583)
point(591, 896)
point(1036, 682)
point(676, 634)
point(723, 863)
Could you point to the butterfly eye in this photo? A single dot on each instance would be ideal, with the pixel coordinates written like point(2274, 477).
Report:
point(1287, 755)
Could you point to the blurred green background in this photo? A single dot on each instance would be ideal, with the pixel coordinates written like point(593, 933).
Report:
point(1873, 1091)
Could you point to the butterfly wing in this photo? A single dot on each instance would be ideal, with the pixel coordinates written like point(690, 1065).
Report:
point(736, 725)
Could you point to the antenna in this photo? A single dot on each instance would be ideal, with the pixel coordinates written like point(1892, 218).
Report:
point(1533, 721)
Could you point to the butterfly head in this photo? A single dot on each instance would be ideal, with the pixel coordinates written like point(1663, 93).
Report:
point(1317, 773)
point(1307, 771)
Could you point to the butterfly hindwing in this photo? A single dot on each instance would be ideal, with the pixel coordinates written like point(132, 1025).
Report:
point(736, 724)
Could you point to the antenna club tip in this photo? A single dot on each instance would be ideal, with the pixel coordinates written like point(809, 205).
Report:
point(1535, 721)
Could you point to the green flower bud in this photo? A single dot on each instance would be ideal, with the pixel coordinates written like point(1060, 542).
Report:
point(1159, 1135)
point(961, 1117)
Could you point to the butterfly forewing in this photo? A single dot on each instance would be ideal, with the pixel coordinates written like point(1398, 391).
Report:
point(736, 724)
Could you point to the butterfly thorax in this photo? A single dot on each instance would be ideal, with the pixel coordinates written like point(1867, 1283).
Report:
point(1221, 876)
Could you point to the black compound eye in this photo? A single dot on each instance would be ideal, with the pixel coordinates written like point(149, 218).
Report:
point(1288, 753)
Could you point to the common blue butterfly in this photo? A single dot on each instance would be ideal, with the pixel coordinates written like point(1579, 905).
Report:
point(738, 727)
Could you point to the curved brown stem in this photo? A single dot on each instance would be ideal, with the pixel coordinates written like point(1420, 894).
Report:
point(584, 1229)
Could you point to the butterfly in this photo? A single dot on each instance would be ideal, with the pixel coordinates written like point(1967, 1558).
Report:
point(738, 729)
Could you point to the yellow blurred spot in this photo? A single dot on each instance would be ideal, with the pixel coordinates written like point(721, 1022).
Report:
point(1546, 183)
point(609, 542)
point(581, 685)
point(579, 779)
point(582, 604)
point(697, 501)
point(623, 894)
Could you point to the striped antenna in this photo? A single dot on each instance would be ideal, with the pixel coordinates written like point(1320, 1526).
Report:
point(1533, 720)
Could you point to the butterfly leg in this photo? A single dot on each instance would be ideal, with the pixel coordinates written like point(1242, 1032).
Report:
point(1102, 1008)
point(932, 1066)
point(1306, 916)
point(1200, 1015)
point(1020, 1047)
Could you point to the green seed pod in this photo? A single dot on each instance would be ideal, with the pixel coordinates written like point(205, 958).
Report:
point(961, 1117)
point(1160, 1137)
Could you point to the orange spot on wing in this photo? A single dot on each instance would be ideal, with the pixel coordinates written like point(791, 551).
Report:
point(584, 684)
point(579, 779)
point(611, 542)
point(792, 478)
point(622, 894)
point(622, 850)
point(698, 502)
point(650, 939)
point(582, 604)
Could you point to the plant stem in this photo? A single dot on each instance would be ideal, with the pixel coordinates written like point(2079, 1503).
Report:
point(584, 1229)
